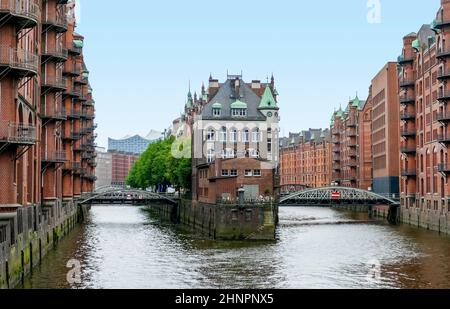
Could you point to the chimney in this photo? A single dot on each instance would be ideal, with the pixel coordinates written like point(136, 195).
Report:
point(256, 84)
point(237, 87)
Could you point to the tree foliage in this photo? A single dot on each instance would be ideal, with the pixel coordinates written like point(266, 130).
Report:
point(158, 167)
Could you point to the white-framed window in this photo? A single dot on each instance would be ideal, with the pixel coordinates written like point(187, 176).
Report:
point(223, 136)
point(210, 156)
point(216, 112)
point(225, 173)
point(233, 173)
point(269, 145)
point(211, 135)
point(228, 153)
point(248, 173)
point(239, 112)
point(233, 136)
point(257, 173)
point(256, 136)
point(253, 153)
point(246, 136)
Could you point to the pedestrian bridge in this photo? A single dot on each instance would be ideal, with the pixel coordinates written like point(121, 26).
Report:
point(118, 195)
point(337, 196)
point(342, 196)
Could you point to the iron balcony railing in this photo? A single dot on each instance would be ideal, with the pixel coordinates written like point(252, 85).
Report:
point(351, 123)
point(73, 113)
point(408, 132)
point(54, 156)
point(56, 52)
point(407, 99)
point(54, 82)
point(89, 102)
point(443, 52)
point(71, 136)
point(57, 20)
point(53, 113)
point(444, 168)
point(405, 59)
point(352, 153)
point(443, 95)
point(443, 138)
point(443, 116)
point(352, 133)
point(407, 115)
point(443, 74)
point(17, 133)
point(408, 149)
point(408, 172)
point(407, 82)
point(28, 9)
point(19, 59)
point(352, 163)
point(75, 49)
point(72, 70)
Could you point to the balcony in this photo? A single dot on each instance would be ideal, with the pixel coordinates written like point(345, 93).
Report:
point(336, 141)
point(443, 117)
point(350, 177)
point(405, 116)
point(81, 96)
point(72, 166)
point(57, 54)
point(352, 164)
point(443, 53)
point(72, 71)
point(72, 92)
point(352, 133)
point(88, 115)
point(54, 157)
point(408, 150)
point(74, 114)
point(407, 82)
point(17, 133)
point(53, 113)
point(443, 75)
point(404, 100)
point(336, 158)
point(352, 153)
point(75, 50)
point(402, 60)
point(443, 138)
point(25, 14)
point(444, 168)
point(408, 133)
point(71, 136)
point(408, 172)
point(81, 80)
point(56, 22)
point(89, 102)
point(443, 95)
point(19, 62)
point(336, 167)
point(352, 144)
point(335, 132)
point(53, 83)
point(351, 123)
point(89, 177)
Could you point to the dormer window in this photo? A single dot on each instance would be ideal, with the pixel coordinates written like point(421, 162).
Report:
point(239, 112)
point(239, 109)
point(217, 109)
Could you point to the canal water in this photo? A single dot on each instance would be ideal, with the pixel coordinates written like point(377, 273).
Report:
point(124, 247)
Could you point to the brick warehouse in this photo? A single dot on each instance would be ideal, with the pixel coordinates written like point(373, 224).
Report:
point(424, 96)
point(46, 130)
point(305, 160)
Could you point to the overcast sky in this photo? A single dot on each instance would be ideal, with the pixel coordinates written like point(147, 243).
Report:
point(142, 55)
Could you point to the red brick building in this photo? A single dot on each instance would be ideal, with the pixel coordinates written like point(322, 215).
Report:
point(46, 107)
point(305, 160)
point(121, 164)
point(424, 96)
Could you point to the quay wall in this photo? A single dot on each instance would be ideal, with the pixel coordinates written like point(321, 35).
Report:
point(222, 222)
point(27, 238)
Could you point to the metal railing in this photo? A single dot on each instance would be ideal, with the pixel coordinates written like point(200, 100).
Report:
point(407, 99)
point(443, 52)
point(56, 52)
point(58, 20)
point(54, 112)
point(443, 95)
point(443, 138)
point(444, 168)
point(407, 115)
point(54, 81)
point(24, 8)
point(443, 116)
point(19, 59)
point(17, 133)
point(408, 172)
point(408, 132)
point(408, 149)
point(407, 82)
point(54, 156)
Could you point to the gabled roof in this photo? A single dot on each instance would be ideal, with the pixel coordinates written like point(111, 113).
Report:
point(268, 101)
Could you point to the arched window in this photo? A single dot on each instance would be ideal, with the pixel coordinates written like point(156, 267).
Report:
point(210, 135)
point(256, 136)
point(246, 136)
point(233, 136)
point(223, 135)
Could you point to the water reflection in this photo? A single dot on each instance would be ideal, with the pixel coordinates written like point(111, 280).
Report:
point(123, 247)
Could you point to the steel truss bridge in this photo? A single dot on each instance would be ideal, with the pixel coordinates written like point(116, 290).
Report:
point(340, 196)
point(120, 195)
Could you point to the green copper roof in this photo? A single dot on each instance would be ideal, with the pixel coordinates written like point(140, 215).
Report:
point(313, 137)
point(217, 106)
point(85, 74)
point(268, 101)
point(322, 135)
point(356, 102)
point(433, 26)
point(239, 104)
point(339, 113)
point(416, 44)
point(189, 102)
point(78, 43)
